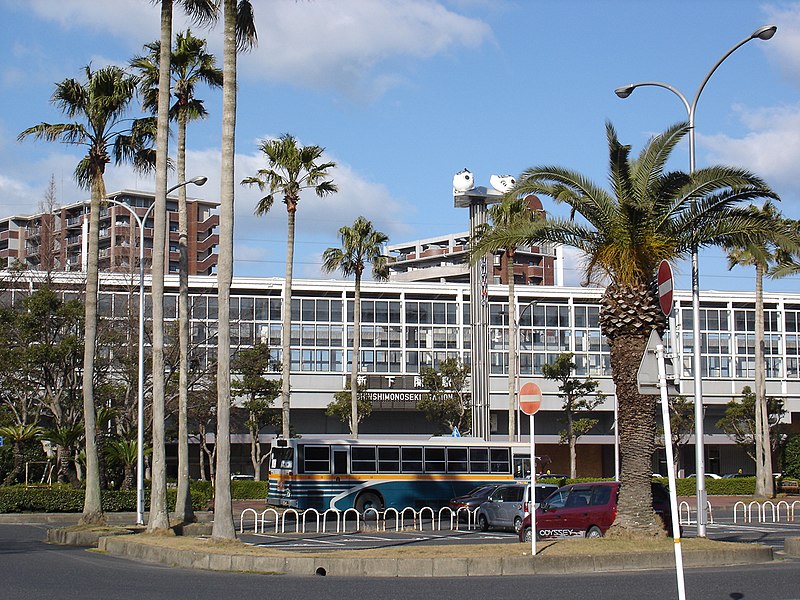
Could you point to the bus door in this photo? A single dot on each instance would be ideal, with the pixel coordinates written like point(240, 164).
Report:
point(340, 461)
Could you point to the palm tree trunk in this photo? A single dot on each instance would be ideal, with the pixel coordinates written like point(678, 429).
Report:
point(286, 326)
point(183, 501)
point(223, 507)
point(513, 367)
point(92, 507)
point(637, 429)
point(764, 481)
point(573, 458)
point(159, 517)
point(355, 361)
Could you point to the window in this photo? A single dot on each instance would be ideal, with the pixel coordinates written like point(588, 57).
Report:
point(363, 459)
point(388, 459)
point(411, 459)
point(434, 460)
point(457, 460)
point(500, 460)
point(479, 460)
point(315, 459)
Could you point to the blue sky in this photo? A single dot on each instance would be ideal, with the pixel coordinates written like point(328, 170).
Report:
point(405, 93)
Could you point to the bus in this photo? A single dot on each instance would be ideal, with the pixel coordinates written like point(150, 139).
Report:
point(385, 473)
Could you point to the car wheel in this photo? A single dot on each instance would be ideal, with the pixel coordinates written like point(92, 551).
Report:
point(483, 523)
point(517, 524)
point(594, 532)
point(528, 536)
point(369, 500)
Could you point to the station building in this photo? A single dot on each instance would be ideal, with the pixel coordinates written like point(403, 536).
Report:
point(408, 325)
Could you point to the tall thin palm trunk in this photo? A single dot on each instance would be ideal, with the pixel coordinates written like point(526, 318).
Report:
point(183, 501)
point(159, 517)
point(223, 509)
point(286, 328)
point(92, 507)
point(513, 367)
point(764, 481)
point(356, 357)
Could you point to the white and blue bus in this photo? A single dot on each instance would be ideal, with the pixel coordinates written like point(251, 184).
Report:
point(388, 473)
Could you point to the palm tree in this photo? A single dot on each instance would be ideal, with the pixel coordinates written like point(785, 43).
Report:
point(100, 104)
point(291, 169)
point(361, 246)
point(649, 215)
point(19, 435)
point(239, 34)
point(65, 438)
point(202, 10)
point(760, 255)
point(125, 454)
point(190, 65)
point(504, 215)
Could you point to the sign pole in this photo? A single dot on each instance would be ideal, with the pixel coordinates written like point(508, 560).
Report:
point(530, 400)
point(533, 490)
point(673, 498)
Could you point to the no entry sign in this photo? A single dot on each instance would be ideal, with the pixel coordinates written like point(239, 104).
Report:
point(530, 398)
point(665, 287)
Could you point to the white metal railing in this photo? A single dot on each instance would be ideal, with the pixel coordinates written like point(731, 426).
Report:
point(761, 511)
point(304, 519)
point(685, 513)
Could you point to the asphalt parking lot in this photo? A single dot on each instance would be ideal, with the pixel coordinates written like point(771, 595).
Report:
point(723, 529)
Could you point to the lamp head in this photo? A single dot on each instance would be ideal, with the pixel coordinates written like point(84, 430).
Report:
point(625, 90)
point(463, 181)
point(199, 180)
point(764, 33)
point(502, 183)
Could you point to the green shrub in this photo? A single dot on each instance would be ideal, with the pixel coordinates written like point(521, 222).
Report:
point(738, 486)
point(791, 457)
point(64, 498)
point(243, 489)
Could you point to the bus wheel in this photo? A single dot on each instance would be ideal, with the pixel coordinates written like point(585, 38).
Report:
point(369, 500)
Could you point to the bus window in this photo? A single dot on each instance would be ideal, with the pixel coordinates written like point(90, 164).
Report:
point(522, 467)
point(363, 459)
point(500, 460)
point(340, 461)
point(434, 460)
point(479, 460)
point(282, 458)
point(388, 459)
point(411, 459)
point(457, 460)
point(315, 459)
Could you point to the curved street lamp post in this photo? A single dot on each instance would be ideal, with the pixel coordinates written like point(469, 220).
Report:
point(140, 222)
point(762, 33)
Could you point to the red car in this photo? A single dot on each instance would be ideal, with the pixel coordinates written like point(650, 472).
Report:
point(586, 510)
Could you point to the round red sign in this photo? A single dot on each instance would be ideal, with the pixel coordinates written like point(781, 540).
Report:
point(665, 287)
point(530, 398)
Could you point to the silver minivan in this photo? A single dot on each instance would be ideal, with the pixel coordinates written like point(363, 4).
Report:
point(508, 505)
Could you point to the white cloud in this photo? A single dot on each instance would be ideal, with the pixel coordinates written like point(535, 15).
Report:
point(350, 45)
point(784, 48)
point(771, 148)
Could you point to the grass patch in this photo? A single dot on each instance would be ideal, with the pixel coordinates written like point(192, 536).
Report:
point(582, 547)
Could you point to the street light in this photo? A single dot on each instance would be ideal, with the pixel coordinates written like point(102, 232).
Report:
point(762, 33)
point(140, 221)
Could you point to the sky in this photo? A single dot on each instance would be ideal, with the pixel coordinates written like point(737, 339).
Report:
point(403, 94)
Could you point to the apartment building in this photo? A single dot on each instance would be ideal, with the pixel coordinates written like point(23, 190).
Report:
point(58, 241)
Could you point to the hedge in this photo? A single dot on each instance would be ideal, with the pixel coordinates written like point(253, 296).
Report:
point(244, 489)
point(65, 498)
point(736, 486)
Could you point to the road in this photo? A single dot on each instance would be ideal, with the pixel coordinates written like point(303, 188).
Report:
point(32, 570)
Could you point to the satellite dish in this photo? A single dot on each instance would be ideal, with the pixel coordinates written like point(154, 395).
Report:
point(463, 181)
point(502, 183)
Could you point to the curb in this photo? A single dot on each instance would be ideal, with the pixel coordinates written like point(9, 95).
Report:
point(427, 567)
point(791, 546)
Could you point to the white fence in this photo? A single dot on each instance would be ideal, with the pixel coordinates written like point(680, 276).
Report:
point(762, 508)
point(685, 513)
point(292, 520)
